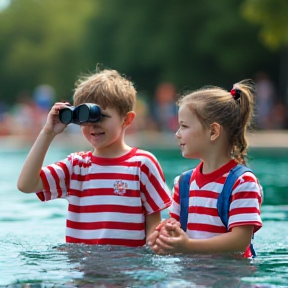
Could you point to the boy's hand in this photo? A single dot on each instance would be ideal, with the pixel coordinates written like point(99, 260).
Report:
point(53, 124)
point(172, 240)
point(162, 229)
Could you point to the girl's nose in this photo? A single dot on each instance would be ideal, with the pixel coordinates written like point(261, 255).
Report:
point(177, 134)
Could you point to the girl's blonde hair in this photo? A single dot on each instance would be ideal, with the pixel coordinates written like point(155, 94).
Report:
point(106, 88)
point(214, 104)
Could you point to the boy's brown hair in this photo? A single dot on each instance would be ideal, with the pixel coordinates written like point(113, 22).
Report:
point(106, 88)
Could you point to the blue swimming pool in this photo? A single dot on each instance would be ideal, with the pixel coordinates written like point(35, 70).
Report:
point(33, 252)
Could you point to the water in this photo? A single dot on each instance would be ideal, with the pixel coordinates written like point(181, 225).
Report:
point(33, 252)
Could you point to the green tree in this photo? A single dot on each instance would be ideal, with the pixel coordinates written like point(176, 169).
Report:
point(271, 17)
point(190, 43)
point(41, 43)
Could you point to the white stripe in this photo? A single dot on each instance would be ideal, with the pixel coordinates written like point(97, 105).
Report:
point(105, 200)
point(201, 234)
point(52, 182)
point(175, 208)
point(251, 217)
point(106, 233)
point(247, 186)
point(212, 186)
point(204, 219)
point(105, 217)
point(203, 202)
point(102, 183)
point(245, 203)
point(153, 192)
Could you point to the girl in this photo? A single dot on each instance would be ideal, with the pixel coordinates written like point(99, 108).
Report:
point(213, 126)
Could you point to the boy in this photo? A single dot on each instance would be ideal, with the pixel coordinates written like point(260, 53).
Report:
point(115, 192)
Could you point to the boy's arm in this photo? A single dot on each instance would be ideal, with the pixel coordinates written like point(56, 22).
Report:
point(152, 220)
point(29, 179)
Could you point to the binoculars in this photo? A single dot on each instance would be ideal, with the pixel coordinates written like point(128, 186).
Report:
point(87, 112)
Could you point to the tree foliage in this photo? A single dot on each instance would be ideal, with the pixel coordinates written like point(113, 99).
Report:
point(189, 43)
point(272, 18)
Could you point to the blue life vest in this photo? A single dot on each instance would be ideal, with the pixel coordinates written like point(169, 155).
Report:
point(223, 201)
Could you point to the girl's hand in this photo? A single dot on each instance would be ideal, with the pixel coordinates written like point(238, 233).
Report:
point(161, 228)
point(171, 239)
point(53, 124)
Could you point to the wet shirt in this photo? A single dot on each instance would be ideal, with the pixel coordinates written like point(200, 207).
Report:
point(109, 198)
point(203, 219)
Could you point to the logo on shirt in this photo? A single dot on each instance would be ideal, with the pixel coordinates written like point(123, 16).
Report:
point(120, 187)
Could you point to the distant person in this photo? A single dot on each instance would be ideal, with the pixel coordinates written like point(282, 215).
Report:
point(25, 117)
point(115, 192)
point(213, 124)
point(44, 97)
point(164, 110)
point(264, 101)
point(4, 119)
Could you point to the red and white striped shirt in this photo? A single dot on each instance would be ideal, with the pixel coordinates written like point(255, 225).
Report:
point(109, 198)
point(203, 219)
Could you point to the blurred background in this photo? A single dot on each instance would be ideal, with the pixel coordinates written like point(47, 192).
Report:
point(166, 47)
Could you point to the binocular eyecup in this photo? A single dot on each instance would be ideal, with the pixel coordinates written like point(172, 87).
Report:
point(87, 112)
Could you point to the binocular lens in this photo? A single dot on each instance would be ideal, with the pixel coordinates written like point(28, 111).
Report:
point(66, 115)
point(87, 112)
point(83, 113)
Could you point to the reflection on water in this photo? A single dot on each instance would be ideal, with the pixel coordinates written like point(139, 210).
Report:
point(33, 252)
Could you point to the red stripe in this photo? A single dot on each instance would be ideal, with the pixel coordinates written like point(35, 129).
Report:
point(104, 241)
point(244, 210)
point(105, 208)
point(149, 199)
point(66, 172)
point(80, 163)
point(175, 216)
point(105, 225)
point(47, 195)
point(206, 228)
point(44, 180)
point(176, 197)
point(204, 194)
point(257, 225)
point(203, 210)
point(102, 192)
point(153, 160)
point(246, 195)
point(157, 186)
point(57, 181)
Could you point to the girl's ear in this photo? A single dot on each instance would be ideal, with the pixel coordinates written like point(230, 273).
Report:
point(128, 119)
point(215, 130)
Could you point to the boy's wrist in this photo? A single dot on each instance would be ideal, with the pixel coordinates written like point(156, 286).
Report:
point(48, 132)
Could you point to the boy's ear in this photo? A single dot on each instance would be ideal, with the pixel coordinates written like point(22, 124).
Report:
point(128, 118)
point(215, 130)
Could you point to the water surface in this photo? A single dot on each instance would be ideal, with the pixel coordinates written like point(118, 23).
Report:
point(33, 252)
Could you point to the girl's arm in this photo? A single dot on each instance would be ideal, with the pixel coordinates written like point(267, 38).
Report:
point(235, 241)
point(29, 179)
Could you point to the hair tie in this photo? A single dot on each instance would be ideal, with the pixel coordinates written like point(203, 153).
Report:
point(236, 93)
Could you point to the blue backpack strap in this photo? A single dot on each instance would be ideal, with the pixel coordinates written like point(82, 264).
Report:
point(184, 190)
point(223, 202)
